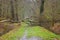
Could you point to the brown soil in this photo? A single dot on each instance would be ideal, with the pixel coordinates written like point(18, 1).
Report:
point(56, 28)
point(6, 27)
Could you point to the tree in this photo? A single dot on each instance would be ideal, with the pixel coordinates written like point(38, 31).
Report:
point(0, 8)
point(42, 7)
point(14, 11)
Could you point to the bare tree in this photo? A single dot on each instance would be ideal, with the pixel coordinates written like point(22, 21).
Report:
point(0, 7)
point(14, 11)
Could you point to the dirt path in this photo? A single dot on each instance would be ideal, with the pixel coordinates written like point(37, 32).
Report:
point(24, 37)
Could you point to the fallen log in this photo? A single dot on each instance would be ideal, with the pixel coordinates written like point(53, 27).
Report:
point(4, 21)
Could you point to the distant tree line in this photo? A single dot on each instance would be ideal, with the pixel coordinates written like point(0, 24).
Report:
point(17, 10)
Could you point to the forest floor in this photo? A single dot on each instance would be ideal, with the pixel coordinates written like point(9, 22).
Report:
point(25, 31)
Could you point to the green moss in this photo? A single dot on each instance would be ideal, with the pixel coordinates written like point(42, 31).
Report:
point(32, 31)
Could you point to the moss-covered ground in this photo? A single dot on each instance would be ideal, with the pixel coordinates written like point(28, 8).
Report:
point(32, 31)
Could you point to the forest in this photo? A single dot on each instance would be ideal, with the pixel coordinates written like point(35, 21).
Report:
point(29, 19)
